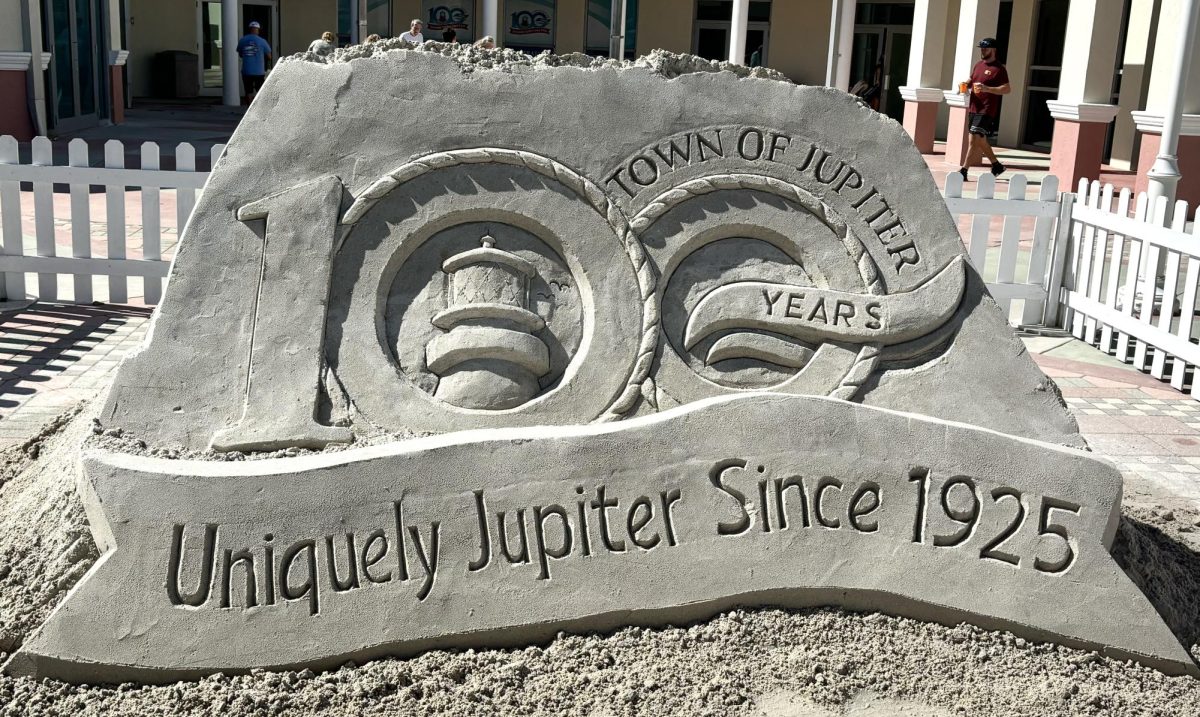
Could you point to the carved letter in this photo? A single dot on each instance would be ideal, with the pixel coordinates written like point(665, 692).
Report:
point(207, 565)
point(758, 143)
point(309, 589)
point(540, 514)
point(742, 524)
point(634, 523)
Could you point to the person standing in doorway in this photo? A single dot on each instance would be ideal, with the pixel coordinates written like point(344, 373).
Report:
point(255, 53)
point(414, 33)
point(989, 81)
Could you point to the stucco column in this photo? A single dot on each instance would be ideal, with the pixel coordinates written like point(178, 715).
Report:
point(921, 91)
point(1164, 79)
point(977, 19)
point(231, 94)
point(737, 32)
point(490, 19)
point(1083, 109)
point(841, 41)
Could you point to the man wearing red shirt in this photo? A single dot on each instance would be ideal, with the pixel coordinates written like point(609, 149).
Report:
point(989, 80)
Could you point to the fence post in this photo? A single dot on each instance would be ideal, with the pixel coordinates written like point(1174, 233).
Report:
point(81, 218)
point(114, 158)
point(1062, 236)
point(10, 215)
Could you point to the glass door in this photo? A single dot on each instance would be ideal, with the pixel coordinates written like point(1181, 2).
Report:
point(75, 83)
point(711, 33)
point(211, 79)
point(711, 41)
point(895, 73)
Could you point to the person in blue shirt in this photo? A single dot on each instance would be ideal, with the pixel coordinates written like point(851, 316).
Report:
point(255, 53)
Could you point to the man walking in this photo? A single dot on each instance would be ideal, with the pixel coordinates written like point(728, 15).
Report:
point(255, 52)
point(989, 80)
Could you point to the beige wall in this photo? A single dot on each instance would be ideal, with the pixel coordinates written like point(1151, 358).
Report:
point(156, 26)
point(799, 43)
point(404, 12)
point(665, 24)
point(11, 27)
point(302, 21)
point(570, 24)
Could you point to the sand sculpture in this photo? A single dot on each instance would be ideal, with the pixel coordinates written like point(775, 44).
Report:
point(574, 349)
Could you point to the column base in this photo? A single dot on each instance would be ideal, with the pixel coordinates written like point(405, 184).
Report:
point(14, 106)
point(14, 96)
point(1189, 165)
point(1149, 126)
point(920, 115)
point(1077, 149)
point(116, 100)
point(956, 136)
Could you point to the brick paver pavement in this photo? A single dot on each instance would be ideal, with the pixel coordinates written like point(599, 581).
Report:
point(55, 355)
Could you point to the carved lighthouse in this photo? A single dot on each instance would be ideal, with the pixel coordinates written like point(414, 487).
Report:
point(488, 358)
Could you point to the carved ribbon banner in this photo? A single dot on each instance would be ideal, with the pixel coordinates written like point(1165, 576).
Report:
point(505, 536)
point(817, 315)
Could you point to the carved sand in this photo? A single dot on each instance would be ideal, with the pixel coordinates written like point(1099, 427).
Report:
point(567, 347)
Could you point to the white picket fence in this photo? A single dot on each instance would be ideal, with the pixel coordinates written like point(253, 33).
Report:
point(1019, 267)
point(94, 276)
point(1130, 285)
point(1124, 283)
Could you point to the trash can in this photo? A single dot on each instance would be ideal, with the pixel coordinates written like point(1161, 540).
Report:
point(176, 74)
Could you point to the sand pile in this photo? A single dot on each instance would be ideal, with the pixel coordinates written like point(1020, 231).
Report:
point(745, 662)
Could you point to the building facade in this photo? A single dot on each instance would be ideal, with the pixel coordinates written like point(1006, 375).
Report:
point(1090, 77)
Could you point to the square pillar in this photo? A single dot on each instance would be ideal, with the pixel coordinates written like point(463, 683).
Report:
point(921, 114)
point(116, 63)
point(1077, 150)
point(977, 19)
point(1149, 126)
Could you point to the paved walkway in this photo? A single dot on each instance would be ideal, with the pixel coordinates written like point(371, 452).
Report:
point(55, 355)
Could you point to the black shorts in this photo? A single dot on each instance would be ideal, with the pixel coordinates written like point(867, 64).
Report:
point(981, 124)
point(253, 83)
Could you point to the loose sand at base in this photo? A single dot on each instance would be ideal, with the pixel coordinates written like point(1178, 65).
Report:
point(813, 663)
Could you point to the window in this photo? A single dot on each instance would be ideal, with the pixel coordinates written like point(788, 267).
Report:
point(599, 19)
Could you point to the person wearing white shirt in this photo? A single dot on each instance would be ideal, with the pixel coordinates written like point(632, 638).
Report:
point(414, 33)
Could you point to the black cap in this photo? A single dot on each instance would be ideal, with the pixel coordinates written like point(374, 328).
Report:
point(988, 42)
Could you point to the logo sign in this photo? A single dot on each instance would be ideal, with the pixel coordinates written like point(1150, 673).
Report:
point(530, 23)
point(447, 16)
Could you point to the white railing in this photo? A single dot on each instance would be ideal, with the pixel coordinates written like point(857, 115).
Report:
point(1012, 242)
point(1131, 282)
point(146, 190)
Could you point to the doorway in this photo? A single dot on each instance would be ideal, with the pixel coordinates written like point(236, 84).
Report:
point(265, 12)
point(879, 66)
point(76, 87)
point(1045, 71)
point(714, 26)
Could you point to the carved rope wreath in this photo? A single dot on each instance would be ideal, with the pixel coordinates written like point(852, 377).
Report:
point(868, 355)
point(579, 184)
